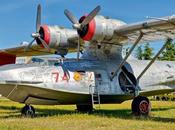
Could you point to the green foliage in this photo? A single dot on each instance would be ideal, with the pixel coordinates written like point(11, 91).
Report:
point(144, 54)
point(139, 52)
point(169, 52)
point(148, 52)
point(108, 117)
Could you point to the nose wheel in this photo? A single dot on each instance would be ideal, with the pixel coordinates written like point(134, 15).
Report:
point(141, 106)
point(28, 111)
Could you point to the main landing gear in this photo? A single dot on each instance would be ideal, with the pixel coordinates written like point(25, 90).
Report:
point(28, 111)
point(141, 106)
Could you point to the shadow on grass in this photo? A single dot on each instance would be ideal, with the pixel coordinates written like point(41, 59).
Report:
point(119, 113)
point(9, 108)
point(162, 109)
point(126, 114)
point(54, 112)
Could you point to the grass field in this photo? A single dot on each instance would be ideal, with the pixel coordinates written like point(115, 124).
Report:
point(109, 117)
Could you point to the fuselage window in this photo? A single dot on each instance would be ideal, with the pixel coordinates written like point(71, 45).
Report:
point(98, 76)
point(168, 65)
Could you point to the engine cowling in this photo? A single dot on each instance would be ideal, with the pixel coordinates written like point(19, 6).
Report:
point(99, 29)
point(57, 37)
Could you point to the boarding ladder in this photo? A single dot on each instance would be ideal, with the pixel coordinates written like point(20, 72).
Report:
point(95, 97)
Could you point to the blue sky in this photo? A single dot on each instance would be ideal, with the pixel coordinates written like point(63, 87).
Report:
point(18, 17)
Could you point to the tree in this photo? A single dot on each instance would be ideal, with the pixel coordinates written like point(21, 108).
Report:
point(148, 52)
point(144, 53)
point(139, 52)
point(169, 52)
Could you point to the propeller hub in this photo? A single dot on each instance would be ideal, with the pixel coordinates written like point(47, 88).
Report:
point(44, 34)
point(35, 35)
point(76, 26)
point(86, 25)
point(87, 31)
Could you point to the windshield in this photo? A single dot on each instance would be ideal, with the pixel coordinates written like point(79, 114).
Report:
point(37, 60)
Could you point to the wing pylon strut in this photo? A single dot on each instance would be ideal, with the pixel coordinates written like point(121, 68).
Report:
point(152, 61)
point(137, 88)
point(127, 55)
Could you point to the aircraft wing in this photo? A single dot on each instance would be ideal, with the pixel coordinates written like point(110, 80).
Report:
point(155, 29)
point(34, 50)
point(157, 90)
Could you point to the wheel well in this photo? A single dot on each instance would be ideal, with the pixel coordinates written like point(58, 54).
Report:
point(123, 80)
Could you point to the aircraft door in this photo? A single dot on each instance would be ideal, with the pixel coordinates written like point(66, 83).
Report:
point(102, 83)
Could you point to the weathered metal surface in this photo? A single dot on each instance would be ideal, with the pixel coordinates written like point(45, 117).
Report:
point(57, 84)
point(67, 82)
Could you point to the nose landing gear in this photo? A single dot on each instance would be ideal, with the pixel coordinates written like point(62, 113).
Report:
point(28, 111)
point(141, 106)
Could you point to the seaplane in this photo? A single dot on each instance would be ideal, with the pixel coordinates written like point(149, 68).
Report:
point(99, 74)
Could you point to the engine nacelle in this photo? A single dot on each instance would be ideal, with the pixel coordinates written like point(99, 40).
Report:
point(99, 29)
point(57, 37)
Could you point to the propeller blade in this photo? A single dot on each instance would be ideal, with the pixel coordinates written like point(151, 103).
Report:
point(91, 15)
point(29, 45)
point(38, 18)
point(44, 44)
point(71, 17)
point(78, 48)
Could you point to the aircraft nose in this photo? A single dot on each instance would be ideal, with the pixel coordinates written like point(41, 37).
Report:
point(8, 73)
point(4, 76)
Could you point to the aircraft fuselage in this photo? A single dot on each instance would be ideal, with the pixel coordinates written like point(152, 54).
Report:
point(74, 81)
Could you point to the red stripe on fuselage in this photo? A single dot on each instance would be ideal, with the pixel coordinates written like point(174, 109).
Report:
point(7, 58)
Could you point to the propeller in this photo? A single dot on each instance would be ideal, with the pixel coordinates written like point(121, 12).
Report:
point(79, 25)
point(78, 48)
point(36, 35)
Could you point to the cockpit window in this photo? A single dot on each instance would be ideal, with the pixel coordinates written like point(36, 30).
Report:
point(37, 60)
point(45, 61)
point(57, 64)
point(53, 63)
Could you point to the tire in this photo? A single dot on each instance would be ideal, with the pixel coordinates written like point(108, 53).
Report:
point(141, 106)
point(84, 108)
point(28, 111)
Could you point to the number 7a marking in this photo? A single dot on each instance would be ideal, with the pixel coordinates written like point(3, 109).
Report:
point(55, 75)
